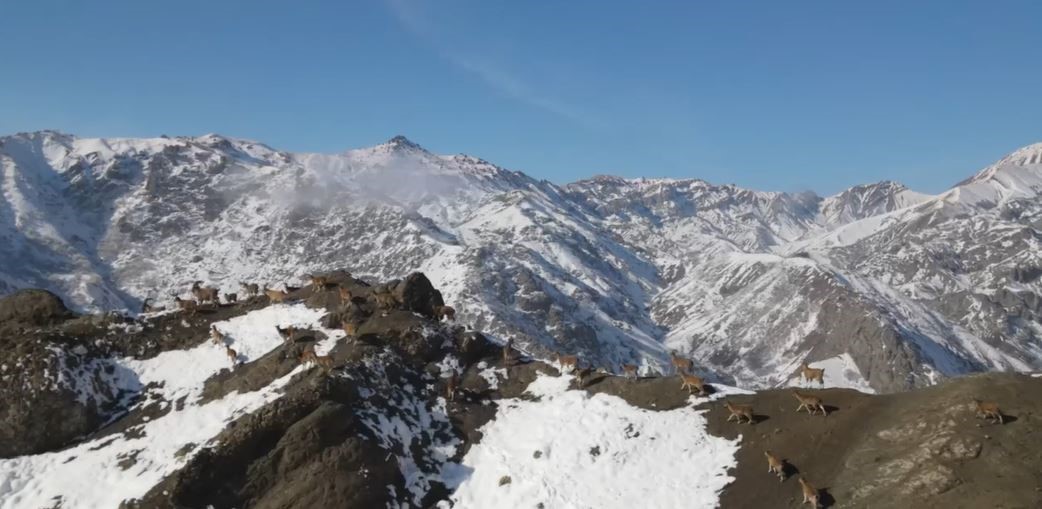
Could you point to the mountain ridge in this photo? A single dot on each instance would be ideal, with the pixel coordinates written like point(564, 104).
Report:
point(617, 270)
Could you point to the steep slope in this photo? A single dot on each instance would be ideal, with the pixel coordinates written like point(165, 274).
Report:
point(908, 287)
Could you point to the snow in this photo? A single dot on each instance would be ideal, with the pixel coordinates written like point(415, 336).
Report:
point(840, 371)
point(569, 449)
point(89, 475)
point(181, 373)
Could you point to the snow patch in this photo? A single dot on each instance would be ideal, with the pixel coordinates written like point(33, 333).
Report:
point(570, 449)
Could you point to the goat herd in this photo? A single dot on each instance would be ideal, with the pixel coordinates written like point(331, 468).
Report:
point(386, 300)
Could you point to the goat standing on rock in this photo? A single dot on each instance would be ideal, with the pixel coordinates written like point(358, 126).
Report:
point(250, 289)
point(204, 293)
point(447, 312)
point(188, 306)
point(275, 296)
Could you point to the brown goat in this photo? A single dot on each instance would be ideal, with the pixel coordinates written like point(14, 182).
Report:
point(693, 382)
point(147, 307)
point(811, 374)
point(204, 294)
point(681, 364)
point(447, 312)
point(250, 289)
point(385, 300)
point(350, 328)
point(318, 282)
point(989, 410)
point(451, 385)
point(232, 355)
point(810, 493)
point(739, 412)
point(216, 336)
point(275, 295)
point(568, 361)
point(811, 403)
point(775, 465)
point(508, 352)
point(308, 356)
point(286, 333)
point(345, 295)
point(325, 362)
point(188, 306)
point(629, 370)
point(582, 375)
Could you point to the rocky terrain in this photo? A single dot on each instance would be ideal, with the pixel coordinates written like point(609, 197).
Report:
point(897, 289)
point(150, 412)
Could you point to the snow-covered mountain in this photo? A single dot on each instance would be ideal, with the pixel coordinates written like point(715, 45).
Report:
point(899, 288)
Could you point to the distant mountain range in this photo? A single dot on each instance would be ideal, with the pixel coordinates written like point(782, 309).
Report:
point(885, 287)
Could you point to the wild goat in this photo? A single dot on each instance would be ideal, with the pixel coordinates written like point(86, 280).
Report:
point(693, 382)
point(629, 370)
point(188, 306)
point(345, 295)
point(681, 364)
point(285, 333)
point(216, 336)
point(232, 355)
point(147, 307)
point(441, 312)
point(204, 294)
point(350, 328)
point(451, 385)
point(325, 362)
point(568, 361)
point(508, 352)
point(385, 300)
point(250, 289)
point(739, 412)
point(275, 295)
point(811, 374)
point(582, 375)
point(989, 410)
point(308, 356)
point(810, 493)
point(231, 298)
point(775, 465)
point(318, 282)
point(811, 403)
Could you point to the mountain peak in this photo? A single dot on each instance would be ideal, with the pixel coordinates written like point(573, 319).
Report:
point(400, 142)
point(1030, 154)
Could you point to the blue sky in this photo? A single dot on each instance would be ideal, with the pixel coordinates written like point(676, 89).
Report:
point(770, 95)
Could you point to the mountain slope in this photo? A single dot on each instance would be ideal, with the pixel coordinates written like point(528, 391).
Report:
point(911, 288)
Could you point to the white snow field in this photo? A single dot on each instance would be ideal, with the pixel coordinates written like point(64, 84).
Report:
point(90, 474)
point(568, 449)
point(840, 371)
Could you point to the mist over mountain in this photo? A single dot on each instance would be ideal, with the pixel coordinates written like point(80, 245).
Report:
point(887, 287)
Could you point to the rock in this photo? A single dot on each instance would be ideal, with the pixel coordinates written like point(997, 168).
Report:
point(417, 294)
point(33, 307)
point(52, 397)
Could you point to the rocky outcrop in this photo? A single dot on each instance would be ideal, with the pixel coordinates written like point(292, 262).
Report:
point(32, 307)
point(923, 448)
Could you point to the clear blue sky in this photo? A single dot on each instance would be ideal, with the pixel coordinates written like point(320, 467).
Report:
point(770, 95)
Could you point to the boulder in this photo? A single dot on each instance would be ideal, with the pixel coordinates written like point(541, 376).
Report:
point(33, 307)
point(417, 294)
